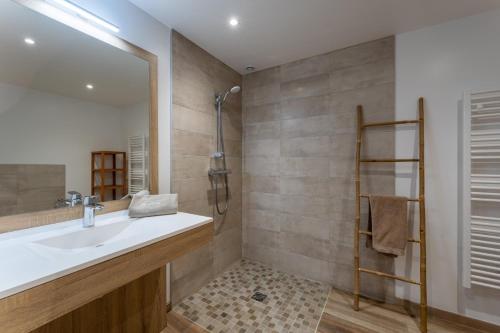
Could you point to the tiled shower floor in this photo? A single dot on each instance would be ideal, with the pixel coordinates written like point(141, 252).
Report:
point(293, 304)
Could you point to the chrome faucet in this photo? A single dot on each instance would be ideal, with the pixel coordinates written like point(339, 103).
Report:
point(74, 198)
point(90, 206)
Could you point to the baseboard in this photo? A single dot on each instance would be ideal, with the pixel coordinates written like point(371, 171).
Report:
point(451, 317)
point(413, 309)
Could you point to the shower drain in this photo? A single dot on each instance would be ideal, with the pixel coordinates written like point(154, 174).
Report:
point(259, 297)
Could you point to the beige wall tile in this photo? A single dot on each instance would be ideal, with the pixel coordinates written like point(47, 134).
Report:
point(262, 166)
point(310, 126)
point(263, 201)
point(304, 166)
point(189, 166)
point(197, 76)
point(264, 237)
point(263, 184)
point(190, 143)
point(362, 76)
point(307, 87)
point(262, 78)
point(261, 219)
point(193, 121)
point(308, 226)
point(319, 146)
point(306, 186)
point(307, 246)
point(305, 107)
point(28, 188)
point(261, 113)
point(264, 130)
point(316, 207)
point(262, 148)
point(317, 134)
point(307, 67)
point(363, 53)
point(262, 95)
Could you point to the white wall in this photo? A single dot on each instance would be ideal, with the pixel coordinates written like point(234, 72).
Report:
point(440, 63)
point(140, 29)
point(44, 128)
point(135, 120)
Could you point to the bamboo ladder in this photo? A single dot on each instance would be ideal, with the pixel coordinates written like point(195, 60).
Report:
point(420, 200)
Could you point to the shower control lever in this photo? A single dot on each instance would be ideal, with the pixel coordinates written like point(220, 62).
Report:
point(218, 155)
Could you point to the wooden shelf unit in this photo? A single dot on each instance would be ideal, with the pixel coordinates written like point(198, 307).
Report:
point(422, 283)
point(109, 166)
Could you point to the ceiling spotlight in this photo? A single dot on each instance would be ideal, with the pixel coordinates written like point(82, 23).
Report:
point(233, 22)
point(250, 68)
point(89, 86)
point(29, 41)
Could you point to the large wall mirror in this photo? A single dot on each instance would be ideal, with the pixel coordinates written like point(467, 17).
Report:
point(77, 114)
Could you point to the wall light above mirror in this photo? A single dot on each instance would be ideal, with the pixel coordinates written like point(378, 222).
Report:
point(84, 14)
point(77, 113)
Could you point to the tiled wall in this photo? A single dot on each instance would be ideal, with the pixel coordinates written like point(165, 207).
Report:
point(197, 76)
point(28, 188)
point(299, 147)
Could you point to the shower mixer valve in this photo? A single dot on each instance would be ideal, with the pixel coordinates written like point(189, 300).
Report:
point(218, 155)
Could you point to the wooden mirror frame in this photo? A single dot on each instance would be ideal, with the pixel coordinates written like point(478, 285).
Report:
point(35, 219)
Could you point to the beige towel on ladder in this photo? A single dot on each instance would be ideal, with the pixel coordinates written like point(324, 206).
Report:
point(388, 222)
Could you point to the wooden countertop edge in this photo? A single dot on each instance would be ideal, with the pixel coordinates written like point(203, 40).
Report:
point(32, 308)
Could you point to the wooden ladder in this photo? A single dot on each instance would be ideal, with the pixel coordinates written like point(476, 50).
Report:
point(420, 200)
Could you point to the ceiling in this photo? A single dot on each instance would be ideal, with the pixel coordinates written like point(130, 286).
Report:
point(274, 32)
point(64, 60)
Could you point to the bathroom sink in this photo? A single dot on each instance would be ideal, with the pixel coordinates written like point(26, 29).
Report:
point(34, 256)
point(86, 237)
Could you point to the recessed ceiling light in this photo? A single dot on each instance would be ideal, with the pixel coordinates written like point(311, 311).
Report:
point(89, 86)
point(29, 41)
point(250, 68)
point(233, 21)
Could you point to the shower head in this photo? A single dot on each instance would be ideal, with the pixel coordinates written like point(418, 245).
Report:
point(220, 98)
point(235, 89)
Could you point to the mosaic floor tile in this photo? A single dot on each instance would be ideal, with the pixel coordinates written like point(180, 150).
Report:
point(293, 304)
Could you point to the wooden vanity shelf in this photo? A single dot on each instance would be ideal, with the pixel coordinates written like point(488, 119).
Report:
point(109, 166)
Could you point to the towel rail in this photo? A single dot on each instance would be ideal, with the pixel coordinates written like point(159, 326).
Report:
point(485, 285)
point(494, 268)
point(388, 160)
point(421, 200)
point(390, 276)
point(368, 233)
point(390, 123)
point(485, 218)
point(409, 199)
point(480, 271)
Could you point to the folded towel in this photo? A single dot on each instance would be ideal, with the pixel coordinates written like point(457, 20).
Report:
point(143, 204)
point(388, 223)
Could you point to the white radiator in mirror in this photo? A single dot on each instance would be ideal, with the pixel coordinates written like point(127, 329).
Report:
point(481, 189)
point(137, 164)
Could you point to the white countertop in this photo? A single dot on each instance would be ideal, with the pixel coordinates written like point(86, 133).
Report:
point(27, 261)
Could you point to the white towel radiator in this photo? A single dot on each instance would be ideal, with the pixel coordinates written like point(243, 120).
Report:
point(137, 164)
point(481, 189)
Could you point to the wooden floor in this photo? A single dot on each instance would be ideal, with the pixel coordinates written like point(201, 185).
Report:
point(178, 324)
point(373, 317)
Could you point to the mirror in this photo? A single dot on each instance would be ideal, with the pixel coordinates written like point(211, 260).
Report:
point(74, 115)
